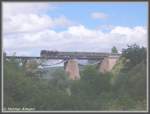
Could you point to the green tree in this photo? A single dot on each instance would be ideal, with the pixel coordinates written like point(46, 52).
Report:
point(134, 54)
point(114, 50)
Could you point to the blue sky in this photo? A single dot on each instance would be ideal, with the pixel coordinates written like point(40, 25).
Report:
point(119, 14)
point(74, 26)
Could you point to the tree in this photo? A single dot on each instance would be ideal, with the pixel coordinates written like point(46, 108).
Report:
point(114, 50)
point(134, 54)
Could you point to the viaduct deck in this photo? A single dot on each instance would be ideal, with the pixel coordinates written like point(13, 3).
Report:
point(75, 55)
point(67, 55)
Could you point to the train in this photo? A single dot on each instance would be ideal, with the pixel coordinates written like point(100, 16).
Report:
point(73, 55)
point(46, 53)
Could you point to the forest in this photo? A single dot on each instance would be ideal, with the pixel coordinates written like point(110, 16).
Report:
point(122, 89)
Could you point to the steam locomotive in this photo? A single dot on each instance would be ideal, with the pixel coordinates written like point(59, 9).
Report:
point(46, 53)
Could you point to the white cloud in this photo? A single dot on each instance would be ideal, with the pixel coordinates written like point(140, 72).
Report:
point(99, 15)
point(75, 38)
point(105, 27)
point(28, 29)
point(30, 17)
point(15, 8)
point(33, 22)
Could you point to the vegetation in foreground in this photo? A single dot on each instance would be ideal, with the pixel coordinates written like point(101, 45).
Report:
point(124, 88)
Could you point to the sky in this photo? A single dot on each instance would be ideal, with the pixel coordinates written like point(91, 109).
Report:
point(29, 27)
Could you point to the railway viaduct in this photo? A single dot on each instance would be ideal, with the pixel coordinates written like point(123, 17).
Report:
point(106, 61)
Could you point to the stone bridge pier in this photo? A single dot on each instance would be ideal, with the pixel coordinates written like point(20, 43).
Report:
point(108, 63)
point(72, 69)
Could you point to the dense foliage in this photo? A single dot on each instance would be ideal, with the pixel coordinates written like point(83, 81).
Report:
point(134, 55)
point(116, 90)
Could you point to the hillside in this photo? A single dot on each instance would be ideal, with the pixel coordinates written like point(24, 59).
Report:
point(124, 88)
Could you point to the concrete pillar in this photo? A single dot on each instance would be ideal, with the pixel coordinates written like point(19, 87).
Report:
point(72, 69)
point(108, 63)
point(31, 66)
